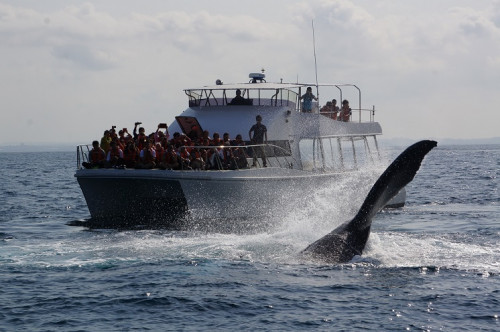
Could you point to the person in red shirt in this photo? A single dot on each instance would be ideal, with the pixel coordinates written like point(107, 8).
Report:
point(147, 157)
point(115, 155)
point(97, 157)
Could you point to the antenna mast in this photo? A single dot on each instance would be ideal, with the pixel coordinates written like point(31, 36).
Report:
point(315, 62)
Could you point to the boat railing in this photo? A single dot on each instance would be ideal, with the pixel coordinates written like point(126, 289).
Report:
point(275, 156)
point(82, 154)
point(357, 115)
point(251, 97)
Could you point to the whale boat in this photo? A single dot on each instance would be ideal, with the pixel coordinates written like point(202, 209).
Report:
point(303, 152)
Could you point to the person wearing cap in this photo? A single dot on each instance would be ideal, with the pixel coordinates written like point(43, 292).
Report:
point(259, 137)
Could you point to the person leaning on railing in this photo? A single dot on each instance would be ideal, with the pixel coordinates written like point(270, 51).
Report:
point(345, 111)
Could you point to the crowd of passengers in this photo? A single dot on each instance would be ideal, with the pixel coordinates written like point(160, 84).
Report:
point(332, 111)
point(157, 150)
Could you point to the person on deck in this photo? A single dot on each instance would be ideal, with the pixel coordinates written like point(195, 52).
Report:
point(238, 155)
point(115, 155)
point(147, 157)
point(238, 100)
point(345, 111)
point(139, 137)
point(170, 159)
point(215, 156)
point(335, 109)
point(326, 110)
point(97, 157)
point(106, 141)
point(259, 137)
point(130, 155)
point(308, 98)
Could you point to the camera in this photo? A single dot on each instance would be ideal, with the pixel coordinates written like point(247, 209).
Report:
point(138, 123)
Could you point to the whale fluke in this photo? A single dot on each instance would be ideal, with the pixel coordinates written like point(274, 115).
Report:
point(349, 239)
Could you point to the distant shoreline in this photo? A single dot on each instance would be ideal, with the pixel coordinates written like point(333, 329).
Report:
point(54, 147)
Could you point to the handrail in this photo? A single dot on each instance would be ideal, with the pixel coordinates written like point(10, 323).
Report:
point(282, 153)
point(82, 153)
point(371, 112)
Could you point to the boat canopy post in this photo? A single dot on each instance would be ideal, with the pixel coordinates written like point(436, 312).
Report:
point(359, 101)
point(314, 153)
point(367, 148)
point(322, 151)
point(224, 97)
point(354, 153)
point(376, 146)
point(339, 143)
point(331, 150)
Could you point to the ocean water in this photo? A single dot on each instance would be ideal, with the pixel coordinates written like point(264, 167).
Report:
point(433, 265)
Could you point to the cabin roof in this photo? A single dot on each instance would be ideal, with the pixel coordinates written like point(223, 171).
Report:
point(252, 86)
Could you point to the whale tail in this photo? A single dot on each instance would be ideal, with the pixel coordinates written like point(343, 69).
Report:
point(349, 239)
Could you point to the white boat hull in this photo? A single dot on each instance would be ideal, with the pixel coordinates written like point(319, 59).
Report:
point(196, 199)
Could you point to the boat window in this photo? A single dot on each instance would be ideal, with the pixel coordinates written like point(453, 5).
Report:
point(332, 153)
point(338, 153)
point(358, 152)
point(281, 149)
point(190, 126)
point(308, 155)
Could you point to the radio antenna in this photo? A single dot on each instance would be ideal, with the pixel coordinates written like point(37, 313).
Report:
point(315, 62)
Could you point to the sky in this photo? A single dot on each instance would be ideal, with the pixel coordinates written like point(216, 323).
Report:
point(70, 69)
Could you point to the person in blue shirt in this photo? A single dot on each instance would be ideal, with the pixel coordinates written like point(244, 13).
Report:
point(308, 98)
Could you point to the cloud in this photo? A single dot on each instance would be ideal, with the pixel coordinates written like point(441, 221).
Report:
point(92, 57)
point(83, 56)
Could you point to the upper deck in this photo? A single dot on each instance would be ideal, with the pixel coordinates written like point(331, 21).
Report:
point(259, 93)
point(212, 108)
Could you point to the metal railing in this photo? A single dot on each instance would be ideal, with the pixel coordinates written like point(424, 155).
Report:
point(275, 156)
point(82, 154)
point(360, 112)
